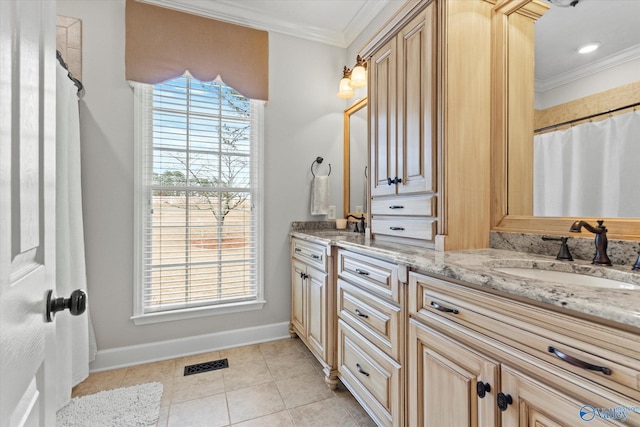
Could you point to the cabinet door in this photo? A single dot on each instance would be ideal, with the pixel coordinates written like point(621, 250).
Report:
point(382, 114)
point(443, 385)
point(537, 405)
point(316, 289)
point(417, 108)
point(298, 296)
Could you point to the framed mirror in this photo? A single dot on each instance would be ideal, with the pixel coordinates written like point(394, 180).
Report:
point(513, 126)
point(356, 143)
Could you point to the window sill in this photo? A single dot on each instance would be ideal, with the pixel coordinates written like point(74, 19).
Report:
point(192, 313)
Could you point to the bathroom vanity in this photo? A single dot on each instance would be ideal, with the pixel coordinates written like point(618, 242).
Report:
point(449, 338)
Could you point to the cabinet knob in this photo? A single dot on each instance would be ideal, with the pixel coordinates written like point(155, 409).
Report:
point(482, 389)
point(395, 180)
point(504, 400)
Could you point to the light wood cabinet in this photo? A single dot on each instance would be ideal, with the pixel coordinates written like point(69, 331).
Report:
point(371, 329)
point(402, 108)
point(313, 315)
point(443, 381)
point(461, 337)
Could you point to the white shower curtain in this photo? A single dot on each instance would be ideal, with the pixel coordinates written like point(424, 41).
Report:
point(589, 170)
point(75, 343)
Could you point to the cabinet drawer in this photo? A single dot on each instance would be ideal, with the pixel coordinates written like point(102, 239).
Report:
point(371, 376)
point(311, 253)
point(414, 228)
point(376, 319)
point(606, 355)
point(423, 205)
point(377, 276)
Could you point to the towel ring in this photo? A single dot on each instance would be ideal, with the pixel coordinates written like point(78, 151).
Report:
point(319, 160)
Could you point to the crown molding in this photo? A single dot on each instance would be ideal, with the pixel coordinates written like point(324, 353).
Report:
point(241, 13)
point(603, 64)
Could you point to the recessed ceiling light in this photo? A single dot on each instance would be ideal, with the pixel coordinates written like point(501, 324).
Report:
point(589, 47)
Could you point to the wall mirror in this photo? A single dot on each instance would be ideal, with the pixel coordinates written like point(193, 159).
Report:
point(355, 158)
point(513, 125)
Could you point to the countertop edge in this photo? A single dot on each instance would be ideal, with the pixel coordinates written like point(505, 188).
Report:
point(620, 308)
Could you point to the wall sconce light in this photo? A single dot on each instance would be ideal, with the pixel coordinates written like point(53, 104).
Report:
point(351, 79)
point(345, 90)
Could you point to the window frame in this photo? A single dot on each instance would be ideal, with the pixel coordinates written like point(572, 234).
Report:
point(143, 126)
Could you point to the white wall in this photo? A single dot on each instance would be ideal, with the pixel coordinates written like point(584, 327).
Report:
point(303, 120)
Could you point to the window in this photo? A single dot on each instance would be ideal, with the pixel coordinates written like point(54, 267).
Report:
point(198, 225)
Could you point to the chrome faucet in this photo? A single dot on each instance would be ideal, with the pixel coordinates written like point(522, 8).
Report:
point(601, 257)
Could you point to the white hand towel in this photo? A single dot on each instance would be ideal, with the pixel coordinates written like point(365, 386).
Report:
point(320, 195)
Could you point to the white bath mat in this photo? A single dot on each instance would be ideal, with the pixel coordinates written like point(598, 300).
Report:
point(138, 405)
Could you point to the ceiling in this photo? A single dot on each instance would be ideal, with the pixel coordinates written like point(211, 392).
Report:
point(614, 23)
point(333, 22)
point(562, 30)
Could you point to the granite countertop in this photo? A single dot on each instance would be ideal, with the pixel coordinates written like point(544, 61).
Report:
point(477, 267)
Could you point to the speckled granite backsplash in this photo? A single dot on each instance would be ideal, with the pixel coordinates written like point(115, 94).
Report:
point(313, 225)
point(621, 252)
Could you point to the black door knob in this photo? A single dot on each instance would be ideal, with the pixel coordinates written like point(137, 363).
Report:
point(76, 303)
point(504, 400)
point(482, 389)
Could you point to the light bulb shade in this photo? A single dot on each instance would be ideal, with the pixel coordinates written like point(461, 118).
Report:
point(345, 91)
point(358, 77)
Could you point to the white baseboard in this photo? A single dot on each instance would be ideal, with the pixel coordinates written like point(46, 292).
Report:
point(162, 350)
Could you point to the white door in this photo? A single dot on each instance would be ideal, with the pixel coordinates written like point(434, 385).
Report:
point(27, 211)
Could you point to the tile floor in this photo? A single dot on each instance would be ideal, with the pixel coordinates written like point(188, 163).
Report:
point(273, 384)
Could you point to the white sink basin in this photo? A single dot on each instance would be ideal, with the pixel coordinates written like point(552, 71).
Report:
point(566, 277)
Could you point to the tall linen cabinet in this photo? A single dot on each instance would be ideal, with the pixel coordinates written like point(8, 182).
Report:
point(429, 106)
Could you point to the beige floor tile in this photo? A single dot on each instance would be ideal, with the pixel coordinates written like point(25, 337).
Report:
point(298, 391)
point(352, 406)
point(158, 371)
point(253, 402)
point(280, 419)
point(246, 375)
point(281, 348)
point(100, 381)
point(210, 411)
point(198, 385)
point(241, 355)
point(327, 412)
point(291, 365)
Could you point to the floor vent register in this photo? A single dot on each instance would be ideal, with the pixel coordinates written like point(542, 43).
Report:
point(206, 367)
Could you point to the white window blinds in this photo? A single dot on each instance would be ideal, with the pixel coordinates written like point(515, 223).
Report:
point(199, 208)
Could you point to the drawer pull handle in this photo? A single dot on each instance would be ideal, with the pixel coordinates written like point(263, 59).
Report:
point(482, 389)
point(396, 228)
point(304, 276)
point(579, 363)
point(314, 256)
point(359, 368)
point(361, 314)
point(396, 207)
point(298, 250)
point(443, 309)
point(362, 272)
point(504, 400)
